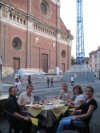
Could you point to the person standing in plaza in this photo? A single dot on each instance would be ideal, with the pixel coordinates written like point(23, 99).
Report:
point(51, 81)
point(72, 80)
point(29, 80)
point(20, 79)
point(18, 84)
point(48, 81)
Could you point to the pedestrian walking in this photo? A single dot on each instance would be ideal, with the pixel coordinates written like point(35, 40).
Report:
point(51, 81)
point(72, 81)
point(48, 81)
point(20, 79)
point(18, 85)
point(29, 80)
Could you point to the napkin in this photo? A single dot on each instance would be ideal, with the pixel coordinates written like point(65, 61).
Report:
point(34, 121)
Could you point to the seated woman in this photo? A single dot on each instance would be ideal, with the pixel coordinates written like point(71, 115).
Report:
point(86, 111)
point(79, 97)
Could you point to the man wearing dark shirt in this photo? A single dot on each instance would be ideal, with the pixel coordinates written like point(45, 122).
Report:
point(21, 121)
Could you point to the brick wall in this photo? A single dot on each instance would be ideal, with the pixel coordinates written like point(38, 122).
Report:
point(30, 54)
point(36, 11)
point(8, 34)
point(33, 8)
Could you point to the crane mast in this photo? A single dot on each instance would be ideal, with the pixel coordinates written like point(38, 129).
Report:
point(80, 54)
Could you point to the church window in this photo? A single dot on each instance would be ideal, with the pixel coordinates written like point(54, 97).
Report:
point(44, 6)
point(17, 43)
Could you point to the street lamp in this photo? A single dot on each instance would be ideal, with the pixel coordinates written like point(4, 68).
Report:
point(0, 75)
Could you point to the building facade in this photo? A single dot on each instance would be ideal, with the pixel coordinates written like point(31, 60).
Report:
point(94, 61)
point(32, 35)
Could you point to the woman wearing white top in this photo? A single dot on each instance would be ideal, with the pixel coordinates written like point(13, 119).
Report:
point(79, 100)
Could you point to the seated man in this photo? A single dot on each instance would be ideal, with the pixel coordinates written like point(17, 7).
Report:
point(64, 94)
point(22, 122)
point(26, 97)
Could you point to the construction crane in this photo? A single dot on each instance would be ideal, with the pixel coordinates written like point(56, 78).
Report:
point(80, 54)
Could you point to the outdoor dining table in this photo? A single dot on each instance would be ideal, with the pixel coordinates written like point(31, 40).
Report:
point(51, 110)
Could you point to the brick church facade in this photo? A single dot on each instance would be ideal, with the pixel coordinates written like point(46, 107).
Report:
point(32, 35)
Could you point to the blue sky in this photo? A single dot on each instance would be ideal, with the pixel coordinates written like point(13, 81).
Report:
point(91, 22)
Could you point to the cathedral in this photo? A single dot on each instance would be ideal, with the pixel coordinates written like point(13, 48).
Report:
point(33, 35)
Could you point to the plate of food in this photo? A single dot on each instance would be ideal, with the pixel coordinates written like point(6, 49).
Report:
point(63, 102)
point(49, 103)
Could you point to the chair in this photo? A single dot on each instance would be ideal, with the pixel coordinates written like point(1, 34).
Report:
point(37, 98)
point(83, 127)
point(16, 124)
point(11, 118)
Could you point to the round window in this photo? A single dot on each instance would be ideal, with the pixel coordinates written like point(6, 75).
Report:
point(17, 43)
point(63, 53)
point(44, 7)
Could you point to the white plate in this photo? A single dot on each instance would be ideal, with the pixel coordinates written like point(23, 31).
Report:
point(49, 103)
